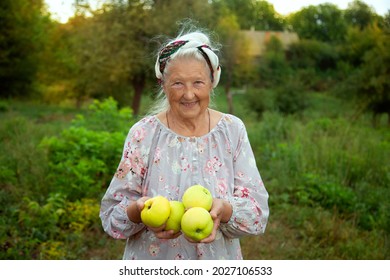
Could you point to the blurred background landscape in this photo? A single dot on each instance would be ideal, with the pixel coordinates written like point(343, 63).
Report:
point(312, 86)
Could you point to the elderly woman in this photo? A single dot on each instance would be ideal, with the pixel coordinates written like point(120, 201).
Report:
point(181, 144)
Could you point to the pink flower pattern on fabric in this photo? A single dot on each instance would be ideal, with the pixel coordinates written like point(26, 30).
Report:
point(213, 165)
point(156, 161)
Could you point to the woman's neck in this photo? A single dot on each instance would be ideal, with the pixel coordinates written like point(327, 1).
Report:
point(191, 127)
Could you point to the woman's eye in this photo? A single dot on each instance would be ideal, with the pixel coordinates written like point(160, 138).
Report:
point(177, 84)
point(199, 82)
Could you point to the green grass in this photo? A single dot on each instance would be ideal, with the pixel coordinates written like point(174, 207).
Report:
point(328, 178)
point(328, 181)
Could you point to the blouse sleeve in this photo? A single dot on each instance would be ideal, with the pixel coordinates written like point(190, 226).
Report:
point(250, 198)
point(126, 186)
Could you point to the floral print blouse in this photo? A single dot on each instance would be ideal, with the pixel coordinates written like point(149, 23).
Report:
point(157, 161)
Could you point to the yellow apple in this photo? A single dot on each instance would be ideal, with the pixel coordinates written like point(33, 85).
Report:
point(197, 196)
point(197, 223)
point(174, 219)
point(156, 211)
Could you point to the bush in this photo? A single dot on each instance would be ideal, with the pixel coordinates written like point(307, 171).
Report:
point(326, 164)
point(326, 193)
point(105, 116)
point(4, 106)
point(312, 54)
point(273, 66)
point(259, 100)
point(288, 98)
point(328, 181)
point(83, 159)
point(51, 201)
point(291, 98)
point(54, 229)
point(21, 162)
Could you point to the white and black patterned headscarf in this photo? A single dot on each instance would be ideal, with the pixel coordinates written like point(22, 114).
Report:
point(167, 52)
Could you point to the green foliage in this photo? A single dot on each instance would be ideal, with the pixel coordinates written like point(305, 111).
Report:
point(358, 42)
point(359, 14)
point(260, 15)
point(324, 23)
point(273, 67)
point(375, 73)
point(313, 233)
point(328, 181)
point(59, 67)
point(312, 54)
point(52, 185)
point(369, 85)
point(21, 38)
point(83, 158)
point(236, 60)
point(327, 194)
point(259, 100)
point(4, 106)
point(287, 98)
point(325, 169)
point(52, 230)
point(18, 157)
point(111, 52)
point(327, 177)
point(291, 98)
point(104, 116)
point(80, 161)
point(386, 23)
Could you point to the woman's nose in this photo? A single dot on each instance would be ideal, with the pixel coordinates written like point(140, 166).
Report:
point(189, 92)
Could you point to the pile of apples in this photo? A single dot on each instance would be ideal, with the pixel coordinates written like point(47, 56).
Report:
point(191, 215)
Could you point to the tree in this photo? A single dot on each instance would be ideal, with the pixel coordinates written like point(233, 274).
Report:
point(110, 50)
point(166, 22)
point(58, 69)
point(21, 39)
point(320, 56)
point(267, 18)
point(359, 14)
point(386, 22)
point(372, 80)
point(358, 42)
point(260, 15)
point(273, 67)
point(235, 60)
point(324, 22)
point(114, 48)
point(368, 81)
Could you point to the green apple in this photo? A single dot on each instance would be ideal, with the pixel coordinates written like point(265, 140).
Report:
point(197, 196)
point(174, 219)
point(156, 211)
point(197, 223)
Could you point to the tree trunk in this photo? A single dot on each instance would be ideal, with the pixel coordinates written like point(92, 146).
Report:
point(138, 83)
point(229, 95)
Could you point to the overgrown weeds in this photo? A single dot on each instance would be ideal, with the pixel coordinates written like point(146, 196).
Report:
point(327, 178)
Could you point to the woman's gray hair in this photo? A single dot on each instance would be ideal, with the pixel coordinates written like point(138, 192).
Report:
point(195, 45)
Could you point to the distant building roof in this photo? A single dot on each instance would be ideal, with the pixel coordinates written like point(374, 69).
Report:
point(259, 39)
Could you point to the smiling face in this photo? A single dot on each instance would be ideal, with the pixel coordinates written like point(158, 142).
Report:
point(187, 84)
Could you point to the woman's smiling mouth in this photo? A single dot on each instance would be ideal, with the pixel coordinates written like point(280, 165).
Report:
point(189, 104)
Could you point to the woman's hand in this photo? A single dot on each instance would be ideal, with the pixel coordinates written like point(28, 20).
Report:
point(134, 214)
point(161, 233)
point(220, 212)
point(134, 209)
